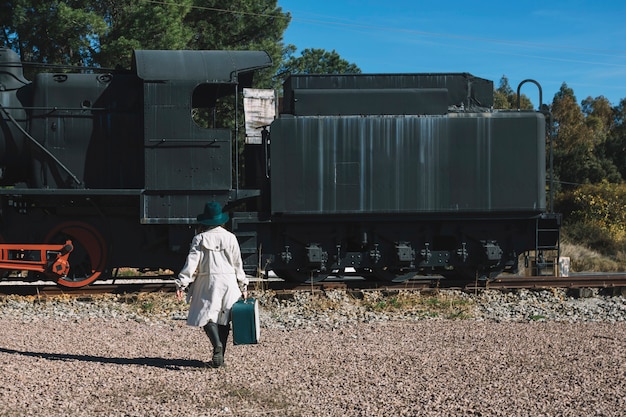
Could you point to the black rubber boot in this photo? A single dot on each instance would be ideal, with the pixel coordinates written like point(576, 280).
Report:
point(224, 330)
point(212, 331)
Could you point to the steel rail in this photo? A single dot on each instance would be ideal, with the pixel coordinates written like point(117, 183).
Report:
point(575, 281)
point(166, 284)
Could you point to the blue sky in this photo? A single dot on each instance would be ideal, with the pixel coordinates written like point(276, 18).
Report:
point(581, 43)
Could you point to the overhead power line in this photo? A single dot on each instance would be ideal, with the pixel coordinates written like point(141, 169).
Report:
point(355, 25)
point(214, 9)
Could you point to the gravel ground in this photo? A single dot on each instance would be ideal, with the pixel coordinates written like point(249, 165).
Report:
point(525, 353)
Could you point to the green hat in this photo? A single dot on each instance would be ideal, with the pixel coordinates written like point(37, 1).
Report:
point(212, 215)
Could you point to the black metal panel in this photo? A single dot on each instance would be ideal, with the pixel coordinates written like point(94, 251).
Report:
point(179, 154)
point(466, 162)
point(166, 208)
point(463, 89)
point(498, 161)
point(186, 165)
point(168, 113)
point(14, 157)
point(370, 101)
point(91, 124)
point(203, 66)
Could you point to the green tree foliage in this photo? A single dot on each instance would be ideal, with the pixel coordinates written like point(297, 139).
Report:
point(137, 24)
point(601, 120)
point(505, 98)
point(52, 31)
point(596, 215)
point(615, 146)
point(585, 141)
point(575, 157)
point(243, 25)
point(316, 61)
point(104, 32)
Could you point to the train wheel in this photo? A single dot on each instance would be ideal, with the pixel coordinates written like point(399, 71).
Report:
point(88, 259)
point(297, 275)
point(392, 275)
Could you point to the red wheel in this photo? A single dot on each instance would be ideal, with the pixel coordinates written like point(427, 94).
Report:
point(89, 257)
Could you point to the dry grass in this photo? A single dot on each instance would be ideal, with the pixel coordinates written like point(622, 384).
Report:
point(584, 259)
point(431, 304)
point(415, 303)
point(442, 304)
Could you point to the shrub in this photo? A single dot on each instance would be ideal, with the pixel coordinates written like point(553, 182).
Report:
point(595, 215)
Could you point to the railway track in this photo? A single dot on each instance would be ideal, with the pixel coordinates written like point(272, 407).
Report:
point(616, 280)
point(164, 283)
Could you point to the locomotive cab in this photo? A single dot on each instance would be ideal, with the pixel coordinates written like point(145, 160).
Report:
point(115, 161)
point(181, 155)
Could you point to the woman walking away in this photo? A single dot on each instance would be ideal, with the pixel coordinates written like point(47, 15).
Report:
point(214, 266)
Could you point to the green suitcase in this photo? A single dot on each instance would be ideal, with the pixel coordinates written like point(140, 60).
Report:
point(246, 324)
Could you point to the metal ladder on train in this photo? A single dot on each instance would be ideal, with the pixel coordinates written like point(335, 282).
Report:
point(545, 261)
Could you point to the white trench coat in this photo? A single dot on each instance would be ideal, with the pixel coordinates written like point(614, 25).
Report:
point(214, 266)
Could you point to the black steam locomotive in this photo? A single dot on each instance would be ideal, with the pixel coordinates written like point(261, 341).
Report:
point(392, 175)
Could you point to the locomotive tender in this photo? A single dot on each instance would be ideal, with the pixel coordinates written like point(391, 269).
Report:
point(393, 174)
